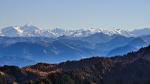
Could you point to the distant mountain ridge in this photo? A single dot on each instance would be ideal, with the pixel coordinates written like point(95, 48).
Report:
point(53, 50)
point(33, 31)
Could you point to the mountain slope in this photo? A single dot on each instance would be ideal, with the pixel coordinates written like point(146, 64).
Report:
point(133, 45)
point(132, 68)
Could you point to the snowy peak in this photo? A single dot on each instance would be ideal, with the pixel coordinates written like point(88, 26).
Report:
point(120, 32)
point(58, 32)
point(12, 31)
point(87, 32)
point(30, 28)
point(95, 30)
point(24, 31)
point(18, 30)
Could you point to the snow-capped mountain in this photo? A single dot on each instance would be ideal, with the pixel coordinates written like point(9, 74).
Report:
point(33, 31)
point(12, 31)
point(84, 32)
point(87, 32)
point(121, 32)
point(25, 31)
point(30, 30)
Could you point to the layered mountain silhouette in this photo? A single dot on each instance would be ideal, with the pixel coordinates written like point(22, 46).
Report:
point(132, 68)
point(28, 44)
point(53, 50)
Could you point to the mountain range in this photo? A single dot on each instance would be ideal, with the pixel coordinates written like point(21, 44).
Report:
point(33, 31)
point(25, 45)
point(132, 68)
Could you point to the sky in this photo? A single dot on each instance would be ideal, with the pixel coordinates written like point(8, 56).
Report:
point(76, 14)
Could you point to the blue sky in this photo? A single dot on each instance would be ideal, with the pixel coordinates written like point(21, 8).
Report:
point(75, 14)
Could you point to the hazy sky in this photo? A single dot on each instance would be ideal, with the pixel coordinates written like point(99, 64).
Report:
point(73, 14)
